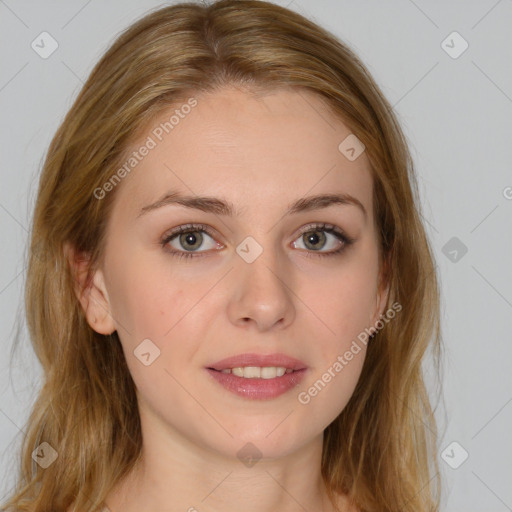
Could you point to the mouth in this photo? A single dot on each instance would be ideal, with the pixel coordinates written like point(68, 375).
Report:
point(257, 376)
point(256, 372)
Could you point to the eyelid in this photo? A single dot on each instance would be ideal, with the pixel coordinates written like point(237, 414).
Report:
point(321, 226)
point(190, 228)
point(313, 226)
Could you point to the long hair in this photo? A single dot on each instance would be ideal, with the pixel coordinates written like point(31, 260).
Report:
point(381, 449)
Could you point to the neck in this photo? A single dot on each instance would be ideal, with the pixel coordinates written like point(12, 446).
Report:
point(173, 473)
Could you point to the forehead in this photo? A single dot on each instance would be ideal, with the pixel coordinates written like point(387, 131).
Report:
point(257, 150)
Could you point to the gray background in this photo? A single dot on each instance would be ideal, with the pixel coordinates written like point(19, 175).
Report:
point(457, 115)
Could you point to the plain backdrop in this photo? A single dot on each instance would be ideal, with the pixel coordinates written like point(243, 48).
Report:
point(445, 68)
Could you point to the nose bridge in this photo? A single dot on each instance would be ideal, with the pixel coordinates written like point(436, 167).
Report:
point(261, 290)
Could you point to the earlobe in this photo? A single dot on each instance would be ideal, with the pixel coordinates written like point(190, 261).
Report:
point(97, 308)
point(91, 291)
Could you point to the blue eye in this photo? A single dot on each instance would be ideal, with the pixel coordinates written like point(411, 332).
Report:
point(185, 241)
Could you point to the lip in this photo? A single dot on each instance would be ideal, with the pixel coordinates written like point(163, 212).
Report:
point(258, 389)
point(258, 360)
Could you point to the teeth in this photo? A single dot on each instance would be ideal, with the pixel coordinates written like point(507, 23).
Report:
point(251, 372)
point(257, 372)
point(269, 372)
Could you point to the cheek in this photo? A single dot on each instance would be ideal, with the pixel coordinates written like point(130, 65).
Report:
point(343, 312)
point(151, 302)
point(343, 300)
point(330, 388)
point(148, 300)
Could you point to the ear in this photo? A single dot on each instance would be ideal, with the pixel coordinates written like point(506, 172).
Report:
point(380, 304)
point(91, 291)
point(382, 291)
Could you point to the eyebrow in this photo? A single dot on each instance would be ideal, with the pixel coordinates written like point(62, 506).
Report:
point(222, 207)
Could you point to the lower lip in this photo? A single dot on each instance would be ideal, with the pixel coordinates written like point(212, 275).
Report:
point(258, 389)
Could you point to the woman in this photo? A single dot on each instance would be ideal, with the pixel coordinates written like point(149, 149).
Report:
point(230, 289)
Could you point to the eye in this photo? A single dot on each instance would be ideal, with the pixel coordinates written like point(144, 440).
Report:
point(184, 241)
point(317, 236)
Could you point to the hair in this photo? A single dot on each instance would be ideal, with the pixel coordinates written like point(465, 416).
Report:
point(381, 449)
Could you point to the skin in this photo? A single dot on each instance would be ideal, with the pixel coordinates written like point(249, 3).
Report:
point(260, 152)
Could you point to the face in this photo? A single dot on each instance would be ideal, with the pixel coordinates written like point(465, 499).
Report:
point(261, 273)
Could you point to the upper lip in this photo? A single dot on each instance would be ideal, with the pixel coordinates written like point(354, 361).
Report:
point(242, 360)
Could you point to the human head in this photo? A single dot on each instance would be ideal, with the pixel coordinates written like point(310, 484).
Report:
point(170, 55)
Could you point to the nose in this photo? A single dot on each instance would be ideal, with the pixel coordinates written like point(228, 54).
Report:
point(262, 297)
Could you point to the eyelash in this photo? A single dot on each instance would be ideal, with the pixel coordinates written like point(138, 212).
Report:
point(192, 228)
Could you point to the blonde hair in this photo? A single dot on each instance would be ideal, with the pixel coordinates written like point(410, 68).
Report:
point(381, 449)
